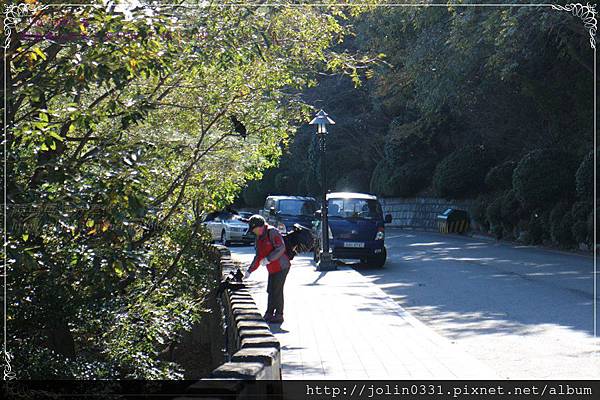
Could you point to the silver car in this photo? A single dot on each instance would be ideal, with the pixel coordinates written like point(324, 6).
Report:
point(227, 227)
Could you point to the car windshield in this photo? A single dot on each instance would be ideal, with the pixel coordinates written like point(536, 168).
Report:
point(354, 208)
point(297, 207)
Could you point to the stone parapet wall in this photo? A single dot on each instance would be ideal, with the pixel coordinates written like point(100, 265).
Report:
point(420, 213)
point(254, 353)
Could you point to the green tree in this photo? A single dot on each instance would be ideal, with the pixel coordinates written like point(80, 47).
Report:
point(124, 128)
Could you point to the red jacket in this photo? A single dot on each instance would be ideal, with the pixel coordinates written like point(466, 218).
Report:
point(270, 245)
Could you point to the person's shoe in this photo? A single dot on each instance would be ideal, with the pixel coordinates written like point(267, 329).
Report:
point(277, 318)
point(268, 317)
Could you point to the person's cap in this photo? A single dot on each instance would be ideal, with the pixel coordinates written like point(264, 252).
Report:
point(255, 221)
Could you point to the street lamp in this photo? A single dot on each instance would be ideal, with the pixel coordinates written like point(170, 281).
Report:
point(325, 262)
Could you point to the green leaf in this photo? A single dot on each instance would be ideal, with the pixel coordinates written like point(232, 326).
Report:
point(25, 237)
point(89, 223)
point(56, 135)
point(40, 53)
point(119, 270)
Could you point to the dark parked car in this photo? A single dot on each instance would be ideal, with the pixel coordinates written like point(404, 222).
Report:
point(284, 211)
point(356, 228)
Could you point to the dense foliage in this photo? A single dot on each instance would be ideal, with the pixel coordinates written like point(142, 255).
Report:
point(461, 173)
point(513, 81)
point(126, 123)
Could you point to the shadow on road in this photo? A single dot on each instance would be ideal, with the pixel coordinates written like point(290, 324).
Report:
point(486, 287)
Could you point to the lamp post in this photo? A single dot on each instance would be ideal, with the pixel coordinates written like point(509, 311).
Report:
point(325, 262)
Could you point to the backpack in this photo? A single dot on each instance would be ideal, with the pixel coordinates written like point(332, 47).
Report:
point(296, 241)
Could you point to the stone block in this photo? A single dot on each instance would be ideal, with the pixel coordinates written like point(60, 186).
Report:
point(248, 317)
point(250, 333)
point(247, 311)
point(240, 370)
point(235, 305)
point(251, 325)
point(268, 356)
point(254, 342)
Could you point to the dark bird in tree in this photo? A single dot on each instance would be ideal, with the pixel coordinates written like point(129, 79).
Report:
point(238, 126)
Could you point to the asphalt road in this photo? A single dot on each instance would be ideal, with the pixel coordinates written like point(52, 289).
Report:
point(526, 312)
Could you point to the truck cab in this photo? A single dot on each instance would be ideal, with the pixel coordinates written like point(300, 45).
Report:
point(283, 212)
point(356, 228)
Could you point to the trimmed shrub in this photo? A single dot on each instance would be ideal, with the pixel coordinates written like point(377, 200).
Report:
point(510, 213)
point(479, 211)
point(584, 177)
point(494, 217)
point(580, 232)
point(581, 210)
point(461, 173)
point(561, 223)
point(542, 177)
point(500, 176)
point(522, 231)
point(379, 179)
point(537, 229)
point(410, 178)
point(590, 226)
point(511, 209)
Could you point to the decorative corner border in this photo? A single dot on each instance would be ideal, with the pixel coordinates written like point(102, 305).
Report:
point(587, 14)
point(8, 372)
point(14, 12)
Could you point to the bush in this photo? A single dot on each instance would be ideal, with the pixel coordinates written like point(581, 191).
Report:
point(379, 179)
point(494, 217)
point(561, 223)
point(584, 177)
point(461, 173)
point(500, 176)
point(410, 178)
point(581, 210)
point(522, 231)
point(537, 229)
point(511, 211)
point(542, 177)
point(580, 232)
point(478, 211)
point(590, 227)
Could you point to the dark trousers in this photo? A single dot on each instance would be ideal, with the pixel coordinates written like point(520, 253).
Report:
point(275, 291)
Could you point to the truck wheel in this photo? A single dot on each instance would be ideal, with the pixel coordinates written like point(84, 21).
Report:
point(378, 261)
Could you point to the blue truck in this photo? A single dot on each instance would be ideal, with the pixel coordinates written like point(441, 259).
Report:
point(356, 228)
point(283, 212)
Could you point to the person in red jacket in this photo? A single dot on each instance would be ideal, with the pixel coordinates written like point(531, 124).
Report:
point(270, 251)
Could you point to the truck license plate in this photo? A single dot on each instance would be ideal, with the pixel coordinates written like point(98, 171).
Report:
point(354, 244)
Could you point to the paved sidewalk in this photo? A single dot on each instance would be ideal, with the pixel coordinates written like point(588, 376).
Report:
point(338, 325)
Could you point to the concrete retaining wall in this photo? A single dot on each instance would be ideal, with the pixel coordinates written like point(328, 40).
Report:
point(254, 353)
point(420, 213)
